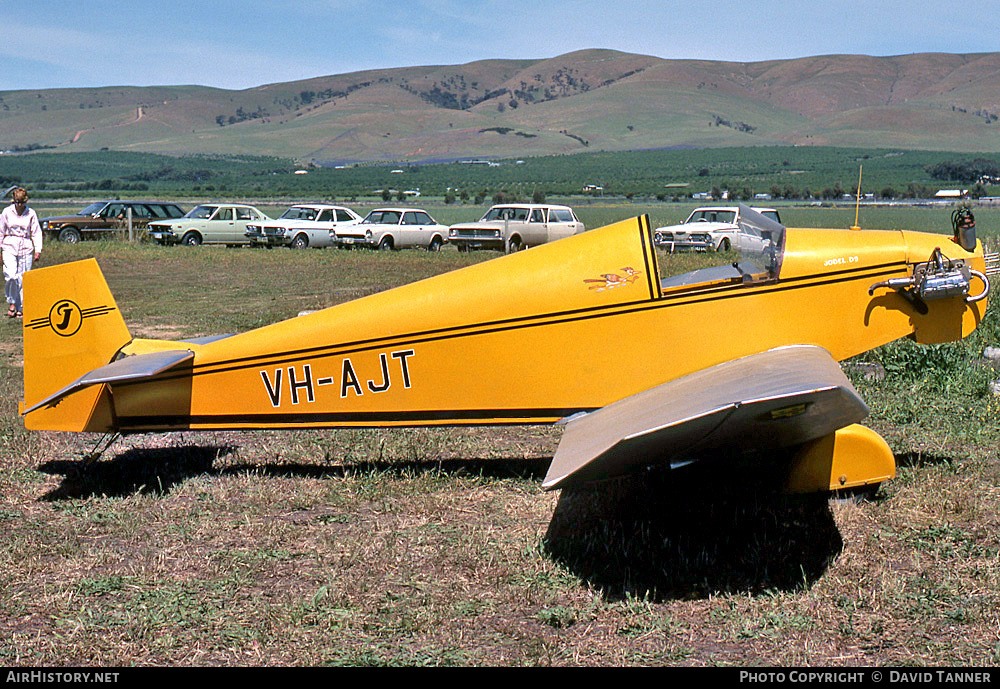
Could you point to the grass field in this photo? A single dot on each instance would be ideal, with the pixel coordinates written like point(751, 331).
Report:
point(438, 547)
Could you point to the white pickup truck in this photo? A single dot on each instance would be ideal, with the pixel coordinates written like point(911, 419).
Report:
point(710, 228)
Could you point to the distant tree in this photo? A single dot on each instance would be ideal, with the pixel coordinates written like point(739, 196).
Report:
point(538, 196)
point(400, 196)
point(449, 198)
point(887, 193)
point(834, 192)
point(386, 195)
point(964, 170)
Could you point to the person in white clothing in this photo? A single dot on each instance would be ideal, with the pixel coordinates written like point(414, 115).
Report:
point(21, 244)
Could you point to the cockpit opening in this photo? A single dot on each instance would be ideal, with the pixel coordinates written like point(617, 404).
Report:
point(756, 250)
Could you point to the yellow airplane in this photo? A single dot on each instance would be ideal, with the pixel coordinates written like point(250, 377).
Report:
point(641, 369)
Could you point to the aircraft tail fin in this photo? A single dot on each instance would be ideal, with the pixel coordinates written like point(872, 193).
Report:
point(71, 327)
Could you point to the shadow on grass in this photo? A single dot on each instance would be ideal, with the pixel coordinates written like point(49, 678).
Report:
point(155, 471)
point(919, 459)
point(663, 536)
point(658, 536)
point(152, 471)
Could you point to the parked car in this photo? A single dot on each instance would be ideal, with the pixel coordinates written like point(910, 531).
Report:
point(515, 226)
point(103, 217)
point(303, 225)
point(708, 228)
point(213, 223)
point(394, 228)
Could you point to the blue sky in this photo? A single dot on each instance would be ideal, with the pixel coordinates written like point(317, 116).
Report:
point(239, 44)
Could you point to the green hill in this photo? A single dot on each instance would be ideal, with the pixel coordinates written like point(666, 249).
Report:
point(583, 101)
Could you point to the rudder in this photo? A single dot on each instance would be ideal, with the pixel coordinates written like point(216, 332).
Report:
point(71, 326)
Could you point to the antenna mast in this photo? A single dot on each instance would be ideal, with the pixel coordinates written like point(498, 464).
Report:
point(857, 205)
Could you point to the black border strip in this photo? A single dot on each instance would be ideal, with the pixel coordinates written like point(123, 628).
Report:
point(326, 418)
point(650, 279)
point(652, 251)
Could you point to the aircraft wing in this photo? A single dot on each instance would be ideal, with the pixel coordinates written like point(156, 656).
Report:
point(781, 397)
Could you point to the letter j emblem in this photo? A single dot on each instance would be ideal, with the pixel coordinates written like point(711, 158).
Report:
point(65, 318)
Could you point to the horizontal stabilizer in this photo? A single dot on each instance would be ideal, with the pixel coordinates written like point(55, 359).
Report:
point(128, 368)
point(782, 397)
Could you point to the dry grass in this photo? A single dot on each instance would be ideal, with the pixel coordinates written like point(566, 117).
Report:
point(438, 547)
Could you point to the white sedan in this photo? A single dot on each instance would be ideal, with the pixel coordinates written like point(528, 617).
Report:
point(303, 225)
point(395, 228)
